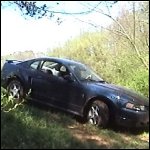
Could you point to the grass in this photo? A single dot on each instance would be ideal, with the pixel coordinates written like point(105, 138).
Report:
point(31, 126)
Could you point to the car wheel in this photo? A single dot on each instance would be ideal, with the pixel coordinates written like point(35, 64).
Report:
point(98, 114)
point(15, 90)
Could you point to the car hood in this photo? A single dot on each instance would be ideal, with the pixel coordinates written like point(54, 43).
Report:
point(122, 91)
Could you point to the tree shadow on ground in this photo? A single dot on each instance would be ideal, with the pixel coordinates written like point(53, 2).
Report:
point(17, 134)
point(61, 131)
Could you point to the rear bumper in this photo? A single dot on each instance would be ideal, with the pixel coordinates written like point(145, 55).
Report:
point(131, 118)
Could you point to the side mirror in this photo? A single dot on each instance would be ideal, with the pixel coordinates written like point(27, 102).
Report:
point(68, 78)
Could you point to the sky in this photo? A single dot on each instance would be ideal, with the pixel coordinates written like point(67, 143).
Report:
point(18, 34)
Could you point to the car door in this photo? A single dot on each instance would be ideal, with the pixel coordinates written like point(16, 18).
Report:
point(68, 92)
point(52, 88)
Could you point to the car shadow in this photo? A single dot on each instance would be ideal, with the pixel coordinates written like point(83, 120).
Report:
point(111, 126)
point(132, 130)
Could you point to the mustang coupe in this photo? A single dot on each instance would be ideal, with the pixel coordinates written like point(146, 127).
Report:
point(72, 86)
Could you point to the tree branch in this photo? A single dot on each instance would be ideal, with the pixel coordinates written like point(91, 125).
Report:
point(32, 9)
point(127, 36)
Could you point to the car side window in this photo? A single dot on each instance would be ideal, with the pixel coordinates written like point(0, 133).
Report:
point(34, 65)
point(50, 67)
point(53, 68)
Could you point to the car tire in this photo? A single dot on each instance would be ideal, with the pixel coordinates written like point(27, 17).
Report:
point(98, 114)
point(15, 89)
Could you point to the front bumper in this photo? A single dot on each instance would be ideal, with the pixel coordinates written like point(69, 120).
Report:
point(131, 118)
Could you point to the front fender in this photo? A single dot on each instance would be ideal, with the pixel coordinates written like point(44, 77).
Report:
point(111, 103)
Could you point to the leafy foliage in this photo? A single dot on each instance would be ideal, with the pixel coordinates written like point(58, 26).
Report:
point(8, 103)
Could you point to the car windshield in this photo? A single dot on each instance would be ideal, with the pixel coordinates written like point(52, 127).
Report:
point(84, 73)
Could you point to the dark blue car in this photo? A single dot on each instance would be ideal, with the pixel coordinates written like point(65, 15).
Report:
point(75, 88)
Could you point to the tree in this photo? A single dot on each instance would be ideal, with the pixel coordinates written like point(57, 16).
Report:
point(38, 10)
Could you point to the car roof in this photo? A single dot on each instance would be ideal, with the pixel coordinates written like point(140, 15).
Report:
point(59, 60)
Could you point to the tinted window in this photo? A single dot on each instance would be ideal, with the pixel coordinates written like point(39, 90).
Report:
point(34, 65)
point(54, 68)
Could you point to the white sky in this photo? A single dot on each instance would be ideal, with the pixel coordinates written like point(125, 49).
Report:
point(18, 34)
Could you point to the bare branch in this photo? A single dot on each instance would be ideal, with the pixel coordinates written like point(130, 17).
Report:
point(32, 9)
point(107, 7)
point(96, 26)
point(127, 36)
